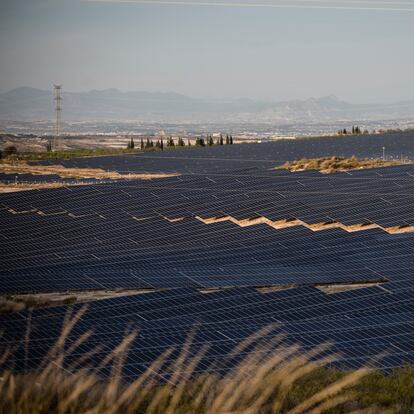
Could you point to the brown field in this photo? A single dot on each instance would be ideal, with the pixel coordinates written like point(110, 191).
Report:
point(63, 172)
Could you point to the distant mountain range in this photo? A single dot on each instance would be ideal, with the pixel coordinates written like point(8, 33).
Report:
point(27, 103)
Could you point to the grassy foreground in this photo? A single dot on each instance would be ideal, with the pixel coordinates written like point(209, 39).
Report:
point(336, 164)
point(271, 379)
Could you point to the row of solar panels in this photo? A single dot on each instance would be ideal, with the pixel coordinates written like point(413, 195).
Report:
point(261, 156)
point(124, 235)
point(384, 201)
point(360, 323)
point(124, 226)
point(59, 253)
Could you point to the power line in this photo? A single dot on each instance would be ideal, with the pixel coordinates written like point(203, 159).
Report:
point(299, 4)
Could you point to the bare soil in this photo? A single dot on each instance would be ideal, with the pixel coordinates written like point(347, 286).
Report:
point(11, 188)
point(17, 303)
point(337, 288)
point(282, 224)
point(63, 172)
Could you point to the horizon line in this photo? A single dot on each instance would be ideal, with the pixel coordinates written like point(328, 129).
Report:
point(375, 7)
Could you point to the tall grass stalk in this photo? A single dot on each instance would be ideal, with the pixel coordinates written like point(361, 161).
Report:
point(260, 383)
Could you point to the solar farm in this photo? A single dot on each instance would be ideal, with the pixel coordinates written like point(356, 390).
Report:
point(225, 248)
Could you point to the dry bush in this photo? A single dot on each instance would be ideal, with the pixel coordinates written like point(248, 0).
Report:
point(9, 305)
point(334, 163)
point(19, 303)
point(265, 381)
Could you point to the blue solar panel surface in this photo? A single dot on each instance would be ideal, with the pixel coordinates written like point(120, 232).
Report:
point(231, 224)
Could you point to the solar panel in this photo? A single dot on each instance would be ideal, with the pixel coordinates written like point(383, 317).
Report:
point(263, 243)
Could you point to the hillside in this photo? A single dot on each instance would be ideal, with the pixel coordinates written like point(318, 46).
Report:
point(30, 103)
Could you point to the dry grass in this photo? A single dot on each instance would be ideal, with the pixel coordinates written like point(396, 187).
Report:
point(19, 302)
point(285, 223)
point(335, 164)
point(14, 187)
point(63, 172)
point(11, 305)
point(265, 381)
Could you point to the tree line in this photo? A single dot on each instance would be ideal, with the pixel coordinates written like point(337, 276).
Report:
point(356, 130)
point(170, 143)
point(9, 150)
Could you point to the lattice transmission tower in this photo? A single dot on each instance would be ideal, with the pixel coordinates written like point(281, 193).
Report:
point(58, 113)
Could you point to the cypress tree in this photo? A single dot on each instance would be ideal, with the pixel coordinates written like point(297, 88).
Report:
point(142, 144)
point(231, 140)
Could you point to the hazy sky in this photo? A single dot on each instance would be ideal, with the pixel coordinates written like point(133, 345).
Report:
point(359, 50)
